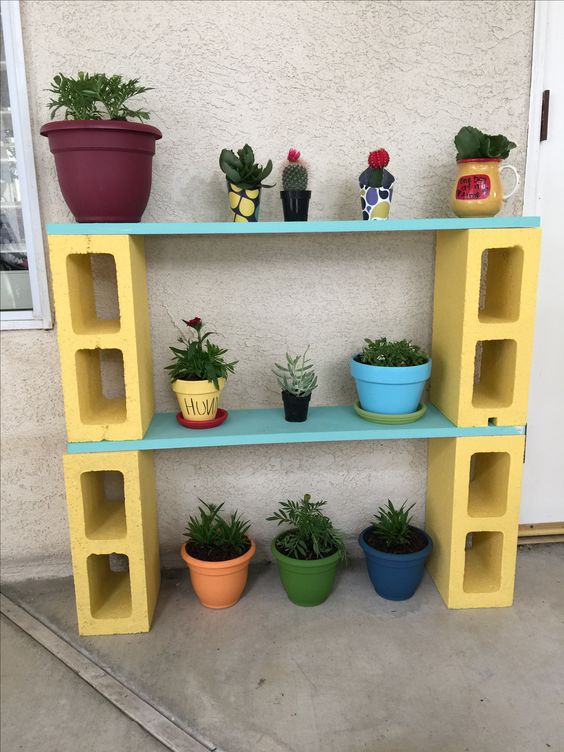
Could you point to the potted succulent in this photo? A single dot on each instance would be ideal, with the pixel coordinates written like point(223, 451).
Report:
point(308, 552)
point(198, 372)
point(103, 160)
point(376, 186)
point(295, 196)
point(297, 380)
point(396, 552)
point(478, 191)
point(244, 182)
point(217, 553)
point(390, 376)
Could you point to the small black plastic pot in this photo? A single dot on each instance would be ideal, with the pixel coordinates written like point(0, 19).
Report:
point(295, 408)
point(295, 205)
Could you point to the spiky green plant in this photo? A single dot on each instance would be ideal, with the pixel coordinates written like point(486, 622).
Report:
point(380, 352)
point(297, 376)
point(95, 97)
point(242, 170)
point(211, 529)
point(311, 534)
point(294, 174)
point(392, 525)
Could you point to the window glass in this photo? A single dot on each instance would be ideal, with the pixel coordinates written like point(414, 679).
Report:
point(15, 290)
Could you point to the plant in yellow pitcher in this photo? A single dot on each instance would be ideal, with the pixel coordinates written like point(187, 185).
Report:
point(244, 182)
point(478, 191)
point(198, 373)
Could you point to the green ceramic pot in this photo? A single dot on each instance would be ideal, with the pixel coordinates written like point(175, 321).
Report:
point(307, 583)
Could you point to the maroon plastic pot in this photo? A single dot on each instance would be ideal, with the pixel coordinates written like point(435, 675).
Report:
point(104, 167)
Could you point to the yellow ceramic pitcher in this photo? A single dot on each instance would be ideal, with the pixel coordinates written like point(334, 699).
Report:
point(478, 191)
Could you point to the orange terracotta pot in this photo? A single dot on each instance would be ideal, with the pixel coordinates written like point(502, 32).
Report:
point(219, 584)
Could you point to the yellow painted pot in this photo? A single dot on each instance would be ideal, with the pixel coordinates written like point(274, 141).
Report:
point(243, 202)
point(198, 400)
point(478, 191)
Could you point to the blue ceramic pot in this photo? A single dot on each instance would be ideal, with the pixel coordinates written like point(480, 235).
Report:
point(395, 577)
point(388, 389)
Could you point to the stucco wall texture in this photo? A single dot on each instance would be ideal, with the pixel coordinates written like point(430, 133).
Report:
point(334, 79)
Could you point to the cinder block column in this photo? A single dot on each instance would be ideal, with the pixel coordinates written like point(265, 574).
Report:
point(472, 514)
point(83, 337)
point(485, 291)
point(103, 523)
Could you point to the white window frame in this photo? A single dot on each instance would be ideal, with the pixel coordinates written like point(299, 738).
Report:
point(40, 317)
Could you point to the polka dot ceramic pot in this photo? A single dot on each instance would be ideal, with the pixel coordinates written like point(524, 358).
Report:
point(375, 202)
point(244, 203)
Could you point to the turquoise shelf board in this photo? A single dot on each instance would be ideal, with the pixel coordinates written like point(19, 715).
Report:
point(267, 426)
point(261, 228)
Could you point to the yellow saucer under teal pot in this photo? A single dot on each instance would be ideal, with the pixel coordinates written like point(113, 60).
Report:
point(391, 419)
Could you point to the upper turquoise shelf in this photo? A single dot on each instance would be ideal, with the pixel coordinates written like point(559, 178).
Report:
point(267, 426)
point(260, 228)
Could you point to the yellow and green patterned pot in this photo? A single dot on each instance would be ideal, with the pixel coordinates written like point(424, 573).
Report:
point(244, 203)
point(376, 202)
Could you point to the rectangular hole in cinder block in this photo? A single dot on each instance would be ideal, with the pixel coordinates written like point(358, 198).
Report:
point(482, 565)
point(500, 284)
point(494, 373)
point(104, 504)
point(489, 480)
point(93, 294)
point(101, 386)
point(110, 591)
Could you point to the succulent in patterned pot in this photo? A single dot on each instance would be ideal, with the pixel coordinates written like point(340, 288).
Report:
point(376, 186)
point(244, 182)
point(198, 372)
point(295, 196)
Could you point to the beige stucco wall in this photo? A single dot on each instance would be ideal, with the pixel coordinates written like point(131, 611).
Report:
point(334, 79)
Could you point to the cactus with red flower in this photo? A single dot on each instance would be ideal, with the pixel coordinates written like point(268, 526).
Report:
point(294, 174)
point(377, 161)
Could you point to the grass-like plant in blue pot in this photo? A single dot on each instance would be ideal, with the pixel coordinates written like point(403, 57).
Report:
point(390, 376)
point(396, 552)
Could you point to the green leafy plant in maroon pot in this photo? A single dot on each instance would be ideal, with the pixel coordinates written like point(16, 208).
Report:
point(103, 160)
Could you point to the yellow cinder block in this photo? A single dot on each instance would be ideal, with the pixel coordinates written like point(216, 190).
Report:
point(472, 515)
point(109, 602)
point(483, 321)
point(83, 337)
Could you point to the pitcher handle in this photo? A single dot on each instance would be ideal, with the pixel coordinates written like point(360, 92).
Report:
point(517, 180)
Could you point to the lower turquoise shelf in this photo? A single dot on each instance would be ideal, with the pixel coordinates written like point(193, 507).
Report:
point(267, 426)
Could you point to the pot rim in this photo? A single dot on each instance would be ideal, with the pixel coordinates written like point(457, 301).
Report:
point(191, 561)
point(369, 551)
point(306, 564)
point(388, 368)
point(296, 396)
point(479, 159)
point(300, 191)
point(198, 383)
point(108, 125)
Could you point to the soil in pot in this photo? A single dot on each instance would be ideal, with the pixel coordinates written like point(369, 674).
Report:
point(295, 407)
point(213, 553)
point(416, 542)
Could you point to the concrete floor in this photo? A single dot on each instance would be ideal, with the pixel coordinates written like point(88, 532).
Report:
point(357, 674)
point(45, 706)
